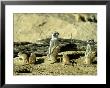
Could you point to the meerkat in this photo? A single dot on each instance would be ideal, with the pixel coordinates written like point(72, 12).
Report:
point(53, 48)
point(53, 42)
point(65, 60)
point(88, 49)
point(88, 55)
point(32, 58)
point(24, 57)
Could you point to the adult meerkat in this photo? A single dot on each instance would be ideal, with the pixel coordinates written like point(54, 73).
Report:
point(53, 42)
point(88, 55)
point(54, 47)
point(65, 60)
point(32, 58)
point(24, 57)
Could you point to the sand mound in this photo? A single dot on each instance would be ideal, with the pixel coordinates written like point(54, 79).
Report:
point(33, 27)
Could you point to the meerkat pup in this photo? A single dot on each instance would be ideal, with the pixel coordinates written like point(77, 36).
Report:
point(32, 58)
point(24, 57)
point(65, 60)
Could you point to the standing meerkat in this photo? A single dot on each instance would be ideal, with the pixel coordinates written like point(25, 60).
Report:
point(32, 58)
point(88, 55)
point(23, 57)
point(65, 60)
point(53, 48)
point(53, 42)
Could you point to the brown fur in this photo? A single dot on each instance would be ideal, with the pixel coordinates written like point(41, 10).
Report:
point(32, 58)
point(65, 60)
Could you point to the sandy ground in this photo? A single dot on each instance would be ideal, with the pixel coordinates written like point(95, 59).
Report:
point(57, 69)
point(41, 67)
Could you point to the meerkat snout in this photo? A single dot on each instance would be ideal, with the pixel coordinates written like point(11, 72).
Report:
point(65, 60)
point(32, 58)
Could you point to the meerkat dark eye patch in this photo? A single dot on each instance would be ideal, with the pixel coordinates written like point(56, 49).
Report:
point(20, 59)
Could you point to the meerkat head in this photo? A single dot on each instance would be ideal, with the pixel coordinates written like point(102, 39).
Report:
point(32, 53)
point(55, 35)
point(65, 55)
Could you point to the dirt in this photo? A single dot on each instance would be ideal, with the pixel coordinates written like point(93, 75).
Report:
point(57, 69)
